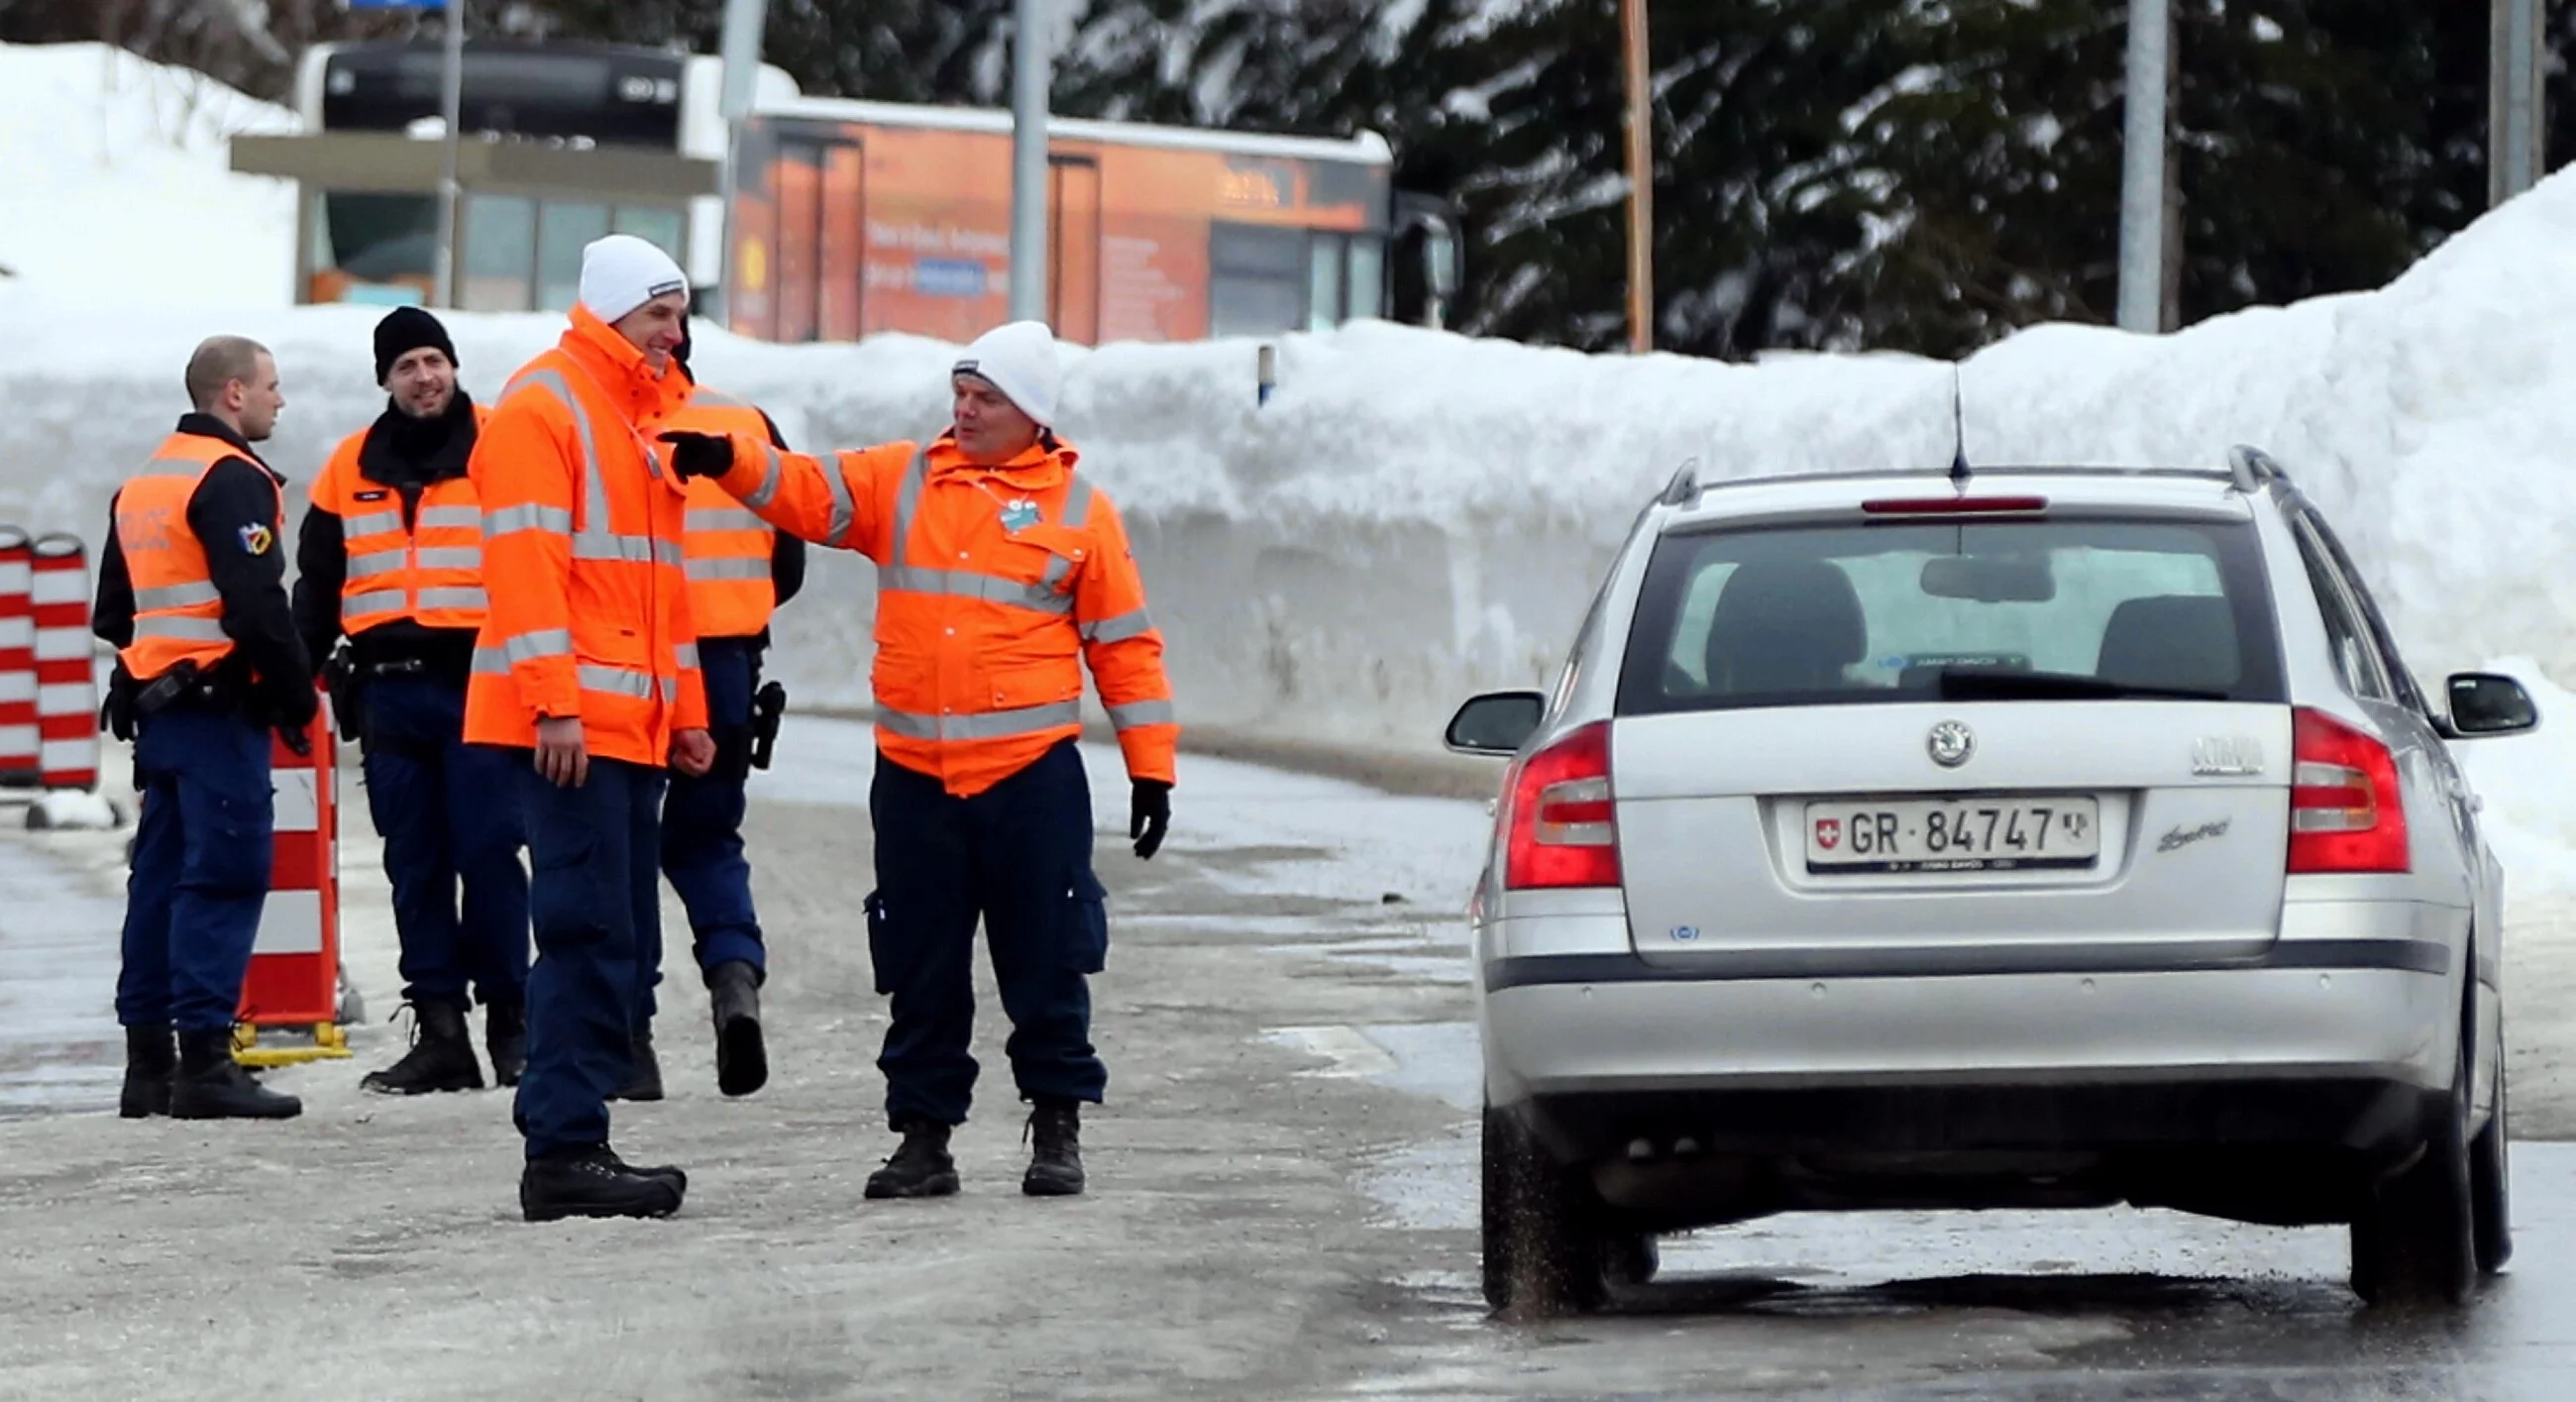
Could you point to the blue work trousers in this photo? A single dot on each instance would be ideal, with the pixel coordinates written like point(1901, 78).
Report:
point(702, 826)
point(594, 898)
point(449, 815)
point(202, 849)
point(1017, 856)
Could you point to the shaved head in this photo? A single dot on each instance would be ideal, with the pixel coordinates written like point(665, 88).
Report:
point(219, 361)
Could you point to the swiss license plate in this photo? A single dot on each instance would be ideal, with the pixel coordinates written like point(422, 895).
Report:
point(2000, 833)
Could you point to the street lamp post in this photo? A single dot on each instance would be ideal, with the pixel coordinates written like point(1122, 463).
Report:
point(1030, 66)
point(2143, 168)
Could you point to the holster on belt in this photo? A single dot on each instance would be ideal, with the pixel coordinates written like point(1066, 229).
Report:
point(347, 689)
point(768, 708)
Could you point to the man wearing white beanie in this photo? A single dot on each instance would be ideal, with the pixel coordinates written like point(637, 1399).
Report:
point(586, 669)
point(1002, 573)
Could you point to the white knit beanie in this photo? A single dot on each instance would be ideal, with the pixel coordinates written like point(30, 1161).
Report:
point(1019, 360)
point(622, 272)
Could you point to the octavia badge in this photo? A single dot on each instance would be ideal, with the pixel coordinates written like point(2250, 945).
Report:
point(1950, 744)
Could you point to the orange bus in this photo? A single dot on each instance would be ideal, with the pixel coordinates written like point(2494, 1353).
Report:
point(831, 219)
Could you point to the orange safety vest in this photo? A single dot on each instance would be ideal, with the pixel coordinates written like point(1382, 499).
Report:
point(178, 615)
point(428, 570)
point(995, 586)
point(589, 608)
point(731, 590)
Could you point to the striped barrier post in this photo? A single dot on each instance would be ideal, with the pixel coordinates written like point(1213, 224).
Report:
point(20, 766)
point(294, 979)
point(66, 675)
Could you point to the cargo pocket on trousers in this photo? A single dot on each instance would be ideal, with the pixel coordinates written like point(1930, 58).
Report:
point(567, 902)
point(874, 905)
point(1086, 937)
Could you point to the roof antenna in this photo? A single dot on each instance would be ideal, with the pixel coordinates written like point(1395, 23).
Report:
point(1958, 428)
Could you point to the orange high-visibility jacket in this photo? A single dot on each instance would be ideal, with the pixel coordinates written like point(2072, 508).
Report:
point(428, 570)
point(991, 582)
point(178, 615)
point(589, 609)
point(731, 591)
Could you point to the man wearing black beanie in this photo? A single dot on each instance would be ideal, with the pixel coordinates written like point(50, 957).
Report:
point(391, 559)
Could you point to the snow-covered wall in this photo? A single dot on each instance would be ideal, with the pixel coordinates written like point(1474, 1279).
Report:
point(1415, 516)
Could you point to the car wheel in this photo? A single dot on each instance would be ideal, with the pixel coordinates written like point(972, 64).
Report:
point(1544, 1251)
point(2414, 1235)
point(2490, 1182)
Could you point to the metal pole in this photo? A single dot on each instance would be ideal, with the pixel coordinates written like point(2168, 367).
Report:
point(1641, 176)
point(452, 103)
point(2517, 141)
point(2142, 168)
point(1030, 66)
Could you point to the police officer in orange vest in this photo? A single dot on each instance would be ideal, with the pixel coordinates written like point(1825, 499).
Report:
point(391, 557)
point(1001, 573)
point(192, 592)
point(740, 570)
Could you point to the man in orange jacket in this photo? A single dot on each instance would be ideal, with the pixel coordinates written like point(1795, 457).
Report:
point(1001, 573)
point(391, 558)
point(586, 665)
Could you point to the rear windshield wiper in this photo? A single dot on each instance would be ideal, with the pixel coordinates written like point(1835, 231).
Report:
point(2008, 684)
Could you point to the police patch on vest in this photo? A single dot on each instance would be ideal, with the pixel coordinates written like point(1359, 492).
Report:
point(377, 495)
point(1019, 515)
point(257, 538)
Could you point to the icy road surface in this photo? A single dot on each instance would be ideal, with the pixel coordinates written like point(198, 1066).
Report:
point(1283, 1186)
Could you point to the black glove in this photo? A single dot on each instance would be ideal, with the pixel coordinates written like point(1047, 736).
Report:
point(699, 454)
point(1149, 814)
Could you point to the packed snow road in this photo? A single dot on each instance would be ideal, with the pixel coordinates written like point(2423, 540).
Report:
point(1283, 1200)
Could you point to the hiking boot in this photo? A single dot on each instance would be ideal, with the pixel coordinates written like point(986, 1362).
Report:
point(920, 1167)
point(742, 1058)
point(212, 1086)
point(505, 1040)
point(151, 1060)
point(673, 1174)
point(1055, 1164)
point(644, 1072)
point(440, 1058)
point(592, 1182)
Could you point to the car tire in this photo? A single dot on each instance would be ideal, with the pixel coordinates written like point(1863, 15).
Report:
point(1544, 1251)
point(2414, 1235)
point(2491, 1181)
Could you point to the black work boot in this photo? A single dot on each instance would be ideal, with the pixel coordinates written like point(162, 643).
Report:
point(505, 1039)
point(920, 1167)
point(742, 1058)
point(593, 1182)
point(151, 1060)
point(644, 1072)
point(211, 1086)
point(440, 1057)
point(1055, 1165)
point(673, 1174)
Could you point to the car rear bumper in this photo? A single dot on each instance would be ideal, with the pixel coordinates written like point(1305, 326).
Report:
point(2300, 1056)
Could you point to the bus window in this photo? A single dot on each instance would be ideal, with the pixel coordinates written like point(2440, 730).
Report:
point(563, 230)
point(658, 227)
point(1368, 279)
point(1257, 279)
point(375, 238)
point(1324, 282)
point(500, 253)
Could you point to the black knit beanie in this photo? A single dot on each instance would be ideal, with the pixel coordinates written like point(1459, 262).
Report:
point(405, 330)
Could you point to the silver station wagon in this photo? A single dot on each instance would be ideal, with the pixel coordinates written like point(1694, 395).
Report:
point(2023, 838)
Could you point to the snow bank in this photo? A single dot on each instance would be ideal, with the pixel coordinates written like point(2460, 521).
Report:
point(119, 190)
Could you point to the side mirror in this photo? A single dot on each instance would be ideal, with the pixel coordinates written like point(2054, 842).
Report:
point(2483, 703)
point(1497, 723)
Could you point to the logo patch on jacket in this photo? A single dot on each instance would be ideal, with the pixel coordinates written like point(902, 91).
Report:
point(1019, 515)
point(377, 495)
point(257, 538)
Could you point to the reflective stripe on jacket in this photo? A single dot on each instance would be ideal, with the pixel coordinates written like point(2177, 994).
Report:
point(731, 591)
point(995, 586)
point(178, 613)
point(429, 570)
point(581, 556)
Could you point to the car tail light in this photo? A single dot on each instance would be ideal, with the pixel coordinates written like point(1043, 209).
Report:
point(2346, 810)
point(1561, 832)
point(1953, 506)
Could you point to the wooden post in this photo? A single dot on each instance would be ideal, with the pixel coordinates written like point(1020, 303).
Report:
point(1641, 177)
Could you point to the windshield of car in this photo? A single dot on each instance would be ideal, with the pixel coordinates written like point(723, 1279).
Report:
point(2045, 608)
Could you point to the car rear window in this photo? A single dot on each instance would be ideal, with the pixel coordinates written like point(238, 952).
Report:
point(2047, 608)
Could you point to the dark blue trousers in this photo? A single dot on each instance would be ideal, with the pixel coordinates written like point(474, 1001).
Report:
point(1017, 856)
point(702, 825)
point(449, 814)
point(201, 868)
point(593, 895)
